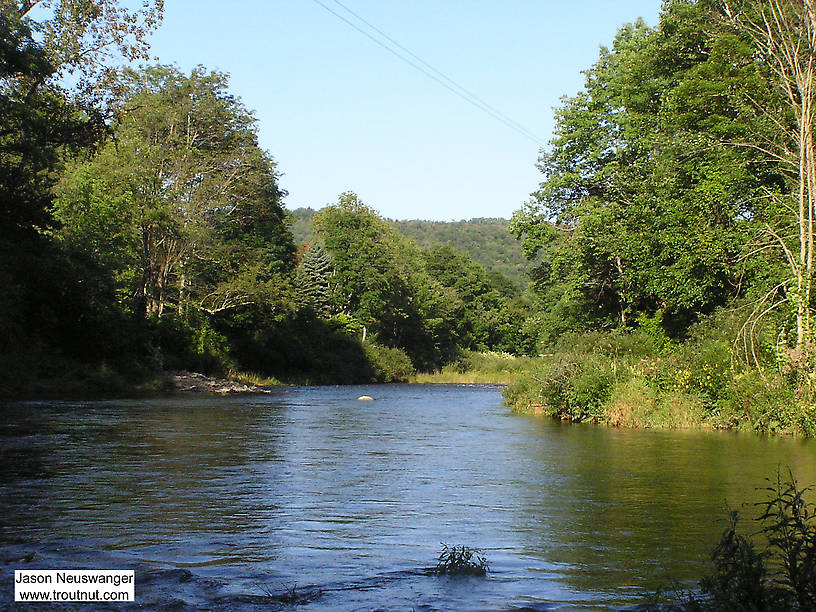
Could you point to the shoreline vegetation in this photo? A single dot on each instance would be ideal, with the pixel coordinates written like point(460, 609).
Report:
point(488, 368)
point(478, 368)
point(642, 380)
point(103, 383)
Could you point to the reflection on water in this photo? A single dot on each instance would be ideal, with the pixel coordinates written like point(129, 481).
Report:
point(217, 501)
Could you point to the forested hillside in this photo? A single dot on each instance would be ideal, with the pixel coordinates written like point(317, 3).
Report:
point(487, 241)
point(302, 225)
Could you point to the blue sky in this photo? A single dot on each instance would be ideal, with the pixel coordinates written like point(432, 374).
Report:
point(339, 113)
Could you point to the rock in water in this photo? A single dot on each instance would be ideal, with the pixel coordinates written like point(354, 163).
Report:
point(365, 398)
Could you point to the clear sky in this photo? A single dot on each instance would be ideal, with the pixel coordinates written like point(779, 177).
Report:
point(338, 112)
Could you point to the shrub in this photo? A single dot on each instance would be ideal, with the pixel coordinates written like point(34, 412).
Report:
point(637, 380)
point(757, 403)
point(782, 576)
point(740, 578)
point(191, 343)
point(461, 561)
point(576, 383)
point(389, 364)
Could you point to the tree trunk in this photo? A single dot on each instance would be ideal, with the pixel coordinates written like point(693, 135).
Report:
point(784, 34)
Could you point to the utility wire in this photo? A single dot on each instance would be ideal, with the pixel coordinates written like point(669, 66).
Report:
point(442, 75)
point(442, 79)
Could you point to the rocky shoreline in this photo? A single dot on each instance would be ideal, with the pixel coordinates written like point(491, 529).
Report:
point(194, 382)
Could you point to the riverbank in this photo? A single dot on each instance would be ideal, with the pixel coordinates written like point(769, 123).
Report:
point(237, 382)
point(478, 368)
point(638, 380)
point(102, 382)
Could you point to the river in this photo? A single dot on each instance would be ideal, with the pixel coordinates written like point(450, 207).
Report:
point(238, 502)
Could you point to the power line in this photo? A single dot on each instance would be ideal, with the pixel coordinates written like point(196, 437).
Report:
point(444, 76)
point(431, 72)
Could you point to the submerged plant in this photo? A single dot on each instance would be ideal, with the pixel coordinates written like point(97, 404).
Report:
point(291, 595)
point(461, 561)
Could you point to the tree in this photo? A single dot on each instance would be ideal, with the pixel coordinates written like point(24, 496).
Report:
point(368, 282)
point(313, 279)
point(483, 317)
point(783, 33)
point(39, 128)
point(643, 212)
point(198, 207)
point(433, 304)
point(81, 37)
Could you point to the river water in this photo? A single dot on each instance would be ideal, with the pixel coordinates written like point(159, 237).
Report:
point(238, 502)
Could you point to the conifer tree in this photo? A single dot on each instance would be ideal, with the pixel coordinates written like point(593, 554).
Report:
point(312, 280)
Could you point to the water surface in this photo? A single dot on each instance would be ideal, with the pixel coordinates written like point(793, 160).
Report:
point(221, 502)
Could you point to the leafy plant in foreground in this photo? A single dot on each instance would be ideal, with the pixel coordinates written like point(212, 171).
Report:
point(780, 577)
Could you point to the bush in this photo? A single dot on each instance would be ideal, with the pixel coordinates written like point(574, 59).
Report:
point(460, 561)
point(303, 349)
point(191, 343)
point(389, 364)
point(639, 379)
point(756, 403)
point(576, 382)
point(782, 576)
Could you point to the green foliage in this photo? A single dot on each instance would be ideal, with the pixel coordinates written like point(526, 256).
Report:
point(740, 579)
point(642, 213)
point(58, 312)
point(79, 37)
point(649, 218)
point(479, 367)
point(190, 343)
point(301, 225)
point(633, 380)
point(432, 304)
point(145, 229)
point(389, 364)
point(781, 576)
point(460, 561)
point(302, 349)
point(185, 233)
point(313, 280)
point(789, 523)
point(486, 241)
point(368, 280)
point(489, 314)
point(576, 383)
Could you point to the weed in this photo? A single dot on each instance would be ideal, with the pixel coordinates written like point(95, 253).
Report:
point(253, 378)
point(291, 595)
point(782, 576)
point(461, 561)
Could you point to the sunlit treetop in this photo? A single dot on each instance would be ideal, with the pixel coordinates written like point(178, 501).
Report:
point(84, 40)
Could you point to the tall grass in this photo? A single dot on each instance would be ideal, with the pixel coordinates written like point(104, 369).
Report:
point(253, 378)
point(488, 367)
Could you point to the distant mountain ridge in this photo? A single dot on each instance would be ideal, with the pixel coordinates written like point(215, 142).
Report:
point(486, 240)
